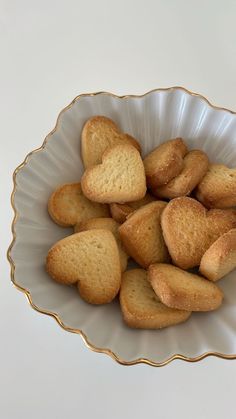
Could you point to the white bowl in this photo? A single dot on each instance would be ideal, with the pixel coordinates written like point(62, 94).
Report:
point(152, 118)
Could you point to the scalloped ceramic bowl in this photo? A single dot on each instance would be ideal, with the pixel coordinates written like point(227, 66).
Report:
point(152, 119)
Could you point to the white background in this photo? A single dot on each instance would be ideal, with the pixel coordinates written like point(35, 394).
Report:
point(50, 51)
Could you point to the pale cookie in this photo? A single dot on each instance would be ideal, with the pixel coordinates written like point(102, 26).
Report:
point(183, 290)
point(100, 133)
point(195, 167)
point(142, 236)
point(141, 308)
point(105, 224)
point(189, 229)
point(119, 178)
point(90, 258)
point(220, 258)
point(121, 211)
point(165, 162)
point(218, 188)
point(68, 206)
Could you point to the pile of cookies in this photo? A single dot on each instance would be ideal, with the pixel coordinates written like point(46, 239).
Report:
point(164, 230)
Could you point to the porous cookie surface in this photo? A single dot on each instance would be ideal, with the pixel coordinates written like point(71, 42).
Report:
point(106, 224)
point(119, 178)
point(91, 259)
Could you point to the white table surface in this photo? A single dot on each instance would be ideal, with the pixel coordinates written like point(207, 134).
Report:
point(50, 52)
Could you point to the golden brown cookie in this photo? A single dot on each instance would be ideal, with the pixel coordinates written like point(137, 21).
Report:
point(220, 258)
point(90, 258)
point(142, 236)
point(183, 290)
point(189, 229)
point(105, 224)
point(68, 206)
point(194, 169)
point(100, 133)
point(218, 187)
point(165, 162)
point(141, 307)
point(121, 211)
point(119, 178)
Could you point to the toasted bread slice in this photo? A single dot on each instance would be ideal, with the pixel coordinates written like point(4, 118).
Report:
point(105, 224)
point(121, 211)
point(90, 258)
point(218, 187)
point(220, 258)
point(100, 133)
point(120, 177)
point(142, 236)
point(189, 229)
point(68, 206)
point(183, 290)
point(140, 305)
point(195, 167)
point(165, 162)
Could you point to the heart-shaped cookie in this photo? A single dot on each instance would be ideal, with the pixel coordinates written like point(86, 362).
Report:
point(164, 162)
point(195, 167)
point(142, 236)
point(220, 258)
point(189, 229)
point(119, 178)
point(218, 187)
point(140, 305)
point(100, 133)
point(183, 290)
point(91, 259)
point(68, 206)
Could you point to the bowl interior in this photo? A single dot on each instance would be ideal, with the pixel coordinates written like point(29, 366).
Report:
point(152, 119)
